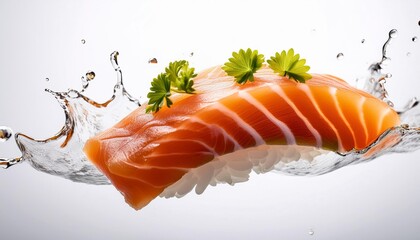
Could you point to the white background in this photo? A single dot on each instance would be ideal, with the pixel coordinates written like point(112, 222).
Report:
point(42, 39)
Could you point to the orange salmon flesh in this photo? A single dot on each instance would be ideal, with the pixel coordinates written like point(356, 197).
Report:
point(145, 153)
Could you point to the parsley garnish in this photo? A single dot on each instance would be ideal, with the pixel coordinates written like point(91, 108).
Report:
point(177, 78)
point(243, 64)
point(181, 75)
point(290, 65)
point(159, 93)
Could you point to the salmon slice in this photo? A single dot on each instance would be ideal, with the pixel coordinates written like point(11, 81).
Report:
point(144, 154)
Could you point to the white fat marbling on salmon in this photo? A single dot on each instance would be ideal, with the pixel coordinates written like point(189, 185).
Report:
point(290, 139)
point(218, 128)
point(361, 113)
point(209, 148)
point(244, 125)
point(308, 93)
point(308, 124)
point(333, 92)
point(381, 119)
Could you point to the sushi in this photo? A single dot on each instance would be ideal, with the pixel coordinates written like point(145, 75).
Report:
point(175, 149)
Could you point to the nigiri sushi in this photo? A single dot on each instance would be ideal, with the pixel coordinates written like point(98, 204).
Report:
point(147, 155)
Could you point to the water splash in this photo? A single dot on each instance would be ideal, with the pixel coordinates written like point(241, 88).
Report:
point(404, 138)
point(89, 76)
point(5, 133)
point(62, 154)
point(375, 81)
point(311, 232)
point(153, 61)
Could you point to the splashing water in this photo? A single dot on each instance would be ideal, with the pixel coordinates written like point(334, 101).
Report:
point(311, 232)
point(5, 133)
point(153, 60)
point(375, 82)
point(89, 76)
point(62, 154)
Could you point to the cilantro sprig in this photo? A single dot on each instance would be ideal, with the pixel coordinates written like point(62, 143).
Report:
point(159, 93)
point(177, 78)
point(181, 76)
point(288, 64)
point(243, 64)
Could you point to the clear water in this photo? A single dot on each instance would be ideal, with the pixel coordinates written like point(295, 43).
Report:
point(153, 60)
point(62, 155)
point(311, 232)
point(89, 76)
point(5, 133)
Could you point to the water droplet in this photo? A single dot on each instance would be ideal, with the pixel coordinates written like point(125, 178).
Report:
point(73, 93)
point(153, 60)
point(418, 23)
point(114, 60)
point(363, 40)
point(408, 54)
point(388, 75)
point(5, 133)
point(393, 33)
point(311, 232)
point(85, 83)
point(83, 41)
point(90, 75)
point(340, 56)
point(414, 39)
point(389, 102)
point(191, 54)
point(47, 79)
point(385, 61)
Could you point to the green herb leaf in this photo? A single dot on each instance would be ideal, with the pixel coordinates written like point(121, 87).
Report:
point(159, 93)
point(180, 74)
point(243, 64)
point(288, 64)
point(177, 78)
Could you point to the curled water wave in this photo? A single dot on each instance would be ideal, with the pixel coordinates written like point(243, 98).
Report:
point(62, 154)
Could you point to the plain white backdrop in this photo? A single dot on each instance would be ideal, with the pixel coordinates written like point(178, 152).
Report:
point(43, 39)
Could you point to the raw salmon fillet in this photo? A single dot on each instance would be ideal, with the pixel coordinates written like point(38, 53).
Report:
point(144, 154)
